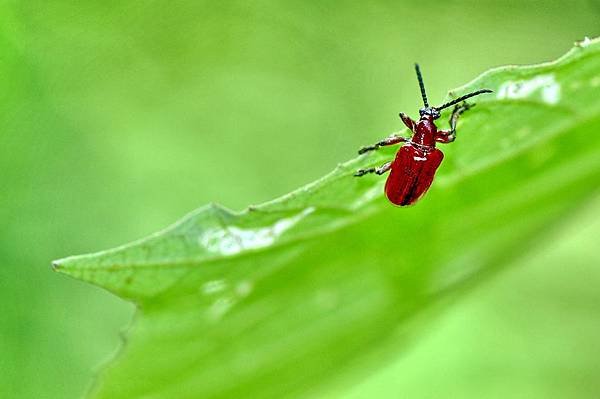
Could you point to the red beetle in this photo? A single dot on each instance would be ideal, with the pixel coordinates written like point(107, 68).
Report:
point(416, 162)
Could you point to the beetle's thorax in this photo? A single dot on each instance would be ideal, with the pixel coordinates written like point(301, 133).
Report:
point(425, 132)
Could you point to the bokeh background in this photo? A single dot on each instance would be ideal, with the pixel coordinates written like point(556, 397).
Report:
point(118, 117)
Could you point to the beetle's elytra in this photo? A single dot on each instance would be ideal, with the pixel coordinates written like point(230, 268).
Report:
point(416, 162)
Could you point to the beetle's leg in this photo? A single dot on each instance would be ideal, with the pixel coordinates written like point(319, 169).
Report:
point(407, 121)
point(458, 110)
point(448, 136)
point(445, 136)
point(383, 168)
point(387, 141)
point(378, 171)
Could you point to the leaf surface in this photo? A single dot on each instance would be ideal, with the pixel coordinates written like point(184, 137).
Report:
point(286, 298)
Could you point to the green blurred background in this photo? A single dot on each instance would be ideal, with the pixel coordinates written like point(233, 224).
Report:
point(118, 117)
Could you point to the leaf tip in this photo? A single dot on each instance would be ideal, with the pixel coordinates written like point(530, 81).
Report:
point(56, 265)
point(61, 265)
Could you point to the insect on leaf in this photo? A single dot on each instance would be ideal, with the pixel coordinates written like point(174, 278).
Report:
point(323, 284)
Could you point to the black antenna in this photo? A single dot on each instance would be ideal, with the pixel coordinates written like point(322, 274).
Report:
point(462, 98)
point(421, 85)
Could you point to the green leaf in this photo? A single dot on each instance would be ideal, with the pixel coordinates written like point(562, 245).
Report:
point(318, 287)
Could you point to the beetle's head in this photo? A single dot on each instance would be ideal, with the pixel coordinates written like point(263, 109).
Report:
point(429, 113)
point(432, 113)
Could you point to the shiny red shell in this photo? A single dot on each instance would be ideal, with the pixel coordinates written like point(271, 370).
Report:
point(412, 173)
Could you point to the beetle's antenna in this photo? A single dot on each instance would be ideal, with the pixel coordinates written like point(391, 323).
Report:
point(462, 98)
point(421, 85)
